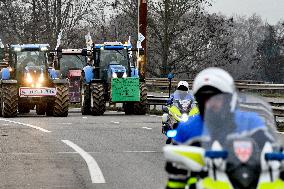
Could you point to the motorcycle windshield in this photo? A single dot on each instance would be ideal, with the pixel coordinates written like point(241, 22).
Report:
point(183, 100)
point(241, 125)
point(229, 118)
point(182, 95)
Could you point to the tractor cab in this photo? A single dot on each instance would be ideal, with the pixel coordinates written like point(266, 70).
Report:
point(111, 60)
point(30, 64)
point(29, 83)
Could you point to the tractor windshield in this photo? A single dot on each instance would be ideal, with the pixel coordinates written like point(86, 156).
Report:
point(71, 62)
point(30, 59)
point(112, 57)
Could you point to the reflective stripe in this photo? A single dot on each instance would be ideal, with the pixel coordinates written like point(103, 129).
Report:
point(192, 180)
point(209, 183)
point(277, 184)
point(194, 111)
point(196, 157)
point(175, 184)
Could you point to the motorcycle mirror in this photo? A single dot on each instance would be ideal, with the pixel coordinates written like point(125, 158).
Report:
point(274, 156)
point(216, 154)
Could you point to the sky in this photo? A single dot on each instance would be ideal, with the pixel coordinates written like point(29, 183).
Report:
point(271, 11)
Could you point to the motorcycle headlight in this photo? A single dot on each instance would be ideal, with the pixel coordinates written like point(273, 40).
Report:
point(114, 75)
point(184, 117)
point(171, 133)
point(124, 75)
point(29, 78)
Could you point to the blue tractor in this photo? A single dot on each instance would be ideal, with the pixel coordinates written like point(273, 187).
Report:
point(31, 82)
point(113, 77)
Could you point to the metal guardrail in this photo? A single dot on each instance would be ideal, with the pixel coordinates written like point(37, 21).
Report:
point(240, 84)
point(277, 107)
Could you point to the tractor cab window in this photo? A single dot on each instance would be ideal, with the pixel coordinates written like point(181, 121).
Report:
point(113, 57)
point(30, 59)
point(71, 62)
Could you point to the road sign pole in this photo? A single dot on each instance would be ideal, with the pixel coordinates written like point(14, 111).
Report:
point(143, 30)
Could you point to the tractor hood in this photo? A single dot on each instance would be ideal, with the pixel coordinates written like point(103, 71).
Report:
point(117, 71)
point(34, 69)
point(117, 68)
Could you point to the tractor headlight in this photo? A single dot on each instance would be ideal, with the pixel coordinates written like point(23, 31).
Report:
point(43, 49)
point(17, 49)
point(41, 78)
point(114, 75)
point(29, 78)
point(124, 75)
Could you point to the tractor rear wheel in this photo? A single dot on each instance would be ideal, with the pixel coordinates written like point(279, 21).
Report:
point(61, 103)
point(99, 104)
point(9, 100)
point(86, 101)
point(140, 108)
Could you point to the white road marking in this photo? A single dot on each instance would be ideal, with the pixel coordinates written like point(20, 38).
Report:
point(155, 116)
point(148, 128)
point(36, 153)
point(65, 123)
point(280, 132)
point(84, 117)
point(116, 122)
point(140, 151)
point(94, 169)
point(28, 125)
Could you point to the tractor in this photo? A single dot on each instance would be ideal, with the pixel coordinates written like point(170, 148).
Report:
point(112, 77)
point(30, 83)
point(70, 63)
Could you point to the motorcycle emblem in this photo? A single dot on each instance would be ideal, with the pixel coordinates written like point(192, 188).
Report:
point(243, 150)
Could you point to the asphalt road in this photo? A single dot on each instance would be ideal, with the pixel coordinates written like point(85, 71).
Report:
point(113, 151)
point(47, 152)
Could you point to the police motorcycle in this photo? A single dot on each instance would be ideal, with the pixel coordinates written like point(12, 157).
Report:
point(239, 148)
point(179, 111)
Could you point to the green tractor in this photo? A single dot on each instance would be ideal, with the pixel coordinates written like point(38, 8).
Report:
point(30, 83)
point(112, 77)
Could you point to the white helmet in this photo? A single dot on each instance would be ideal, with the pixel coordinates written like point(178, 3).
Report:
point(214, 77)
point(183, 85)
point(210, 81)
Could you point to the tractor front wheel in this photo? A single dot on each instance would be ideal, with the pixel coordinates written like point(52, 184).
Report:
point(9, 100)
point(61, 103)
point(99, 104)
